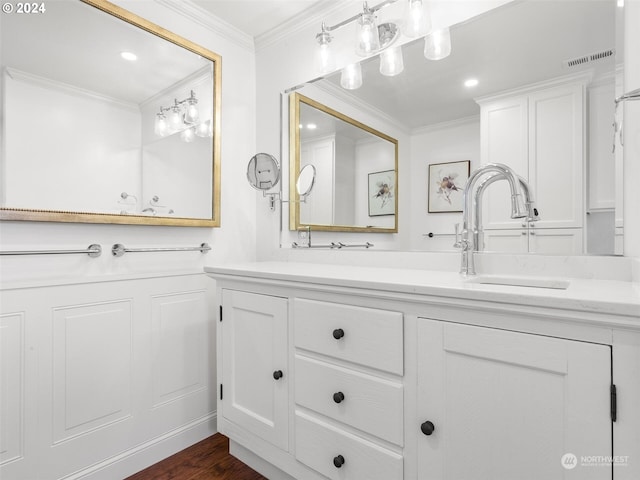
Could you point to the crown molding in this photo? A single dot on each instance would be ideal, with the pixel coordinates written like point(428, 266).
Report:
point(458, 122)
point(314, 15)
point(206, 19)
point(351, 99)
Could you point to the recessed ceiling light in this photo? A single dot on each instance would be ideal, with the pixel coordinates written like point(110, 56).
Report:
point(312, 126)
point(472, 82)
point(132, 57)
point(621, 3)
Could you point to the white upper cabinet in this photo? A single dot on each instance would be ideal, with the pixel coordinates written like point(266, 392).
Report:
point(540, 135)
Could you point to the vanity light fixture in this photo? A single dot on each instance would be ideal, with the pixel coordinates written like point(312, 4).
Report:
point(372, 39)
point(183, 117)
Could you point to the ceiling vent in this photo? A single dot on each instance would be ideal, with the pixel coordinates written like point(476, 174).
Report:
point(592, 57)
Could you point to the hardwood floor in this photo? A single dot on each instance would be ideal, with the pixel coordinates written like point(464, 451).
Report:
point(206, 460)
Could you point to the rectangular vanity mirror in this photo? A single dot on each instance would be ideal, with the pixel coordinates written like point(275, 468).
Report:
point(542, 78)
point(356, 188)
point(107, 118)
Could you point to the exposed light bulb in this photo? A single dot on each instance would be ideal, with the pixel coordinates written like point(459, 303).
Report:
point(391, 61)
point(437, 45)
point(351, 77)
point(367, 39)
point(417, 22)
point(204, 129)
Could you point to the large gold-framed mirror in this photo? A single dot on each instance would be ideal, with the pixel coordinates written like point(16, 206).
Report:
point(107, 118)
point(356, 186)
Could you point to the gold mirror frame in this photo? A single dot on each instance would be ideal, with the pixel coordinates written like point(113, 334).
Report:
point(295, 99)
point(105, 218)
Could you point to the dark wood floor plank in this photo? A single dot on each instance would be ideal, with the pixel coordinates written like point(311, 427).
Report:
point(206, 460)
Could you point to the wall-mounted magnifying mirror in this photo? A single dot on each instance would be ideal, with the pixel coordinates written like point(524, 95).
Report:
point(306, 180)
point(263, 171)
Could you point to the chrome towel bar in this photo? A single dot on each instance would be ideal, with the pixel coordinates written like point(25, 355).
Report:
point(94, 250)
point(119, 250)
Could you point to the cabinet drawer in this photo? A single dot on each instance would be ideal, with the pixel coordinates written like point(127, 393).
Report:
point(363, 401)
point(318, 445)
point(370, 337)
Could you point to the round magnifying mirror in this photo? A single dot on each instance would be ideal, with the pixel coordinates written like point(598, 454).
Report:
point(263, 171)
point(306, 179)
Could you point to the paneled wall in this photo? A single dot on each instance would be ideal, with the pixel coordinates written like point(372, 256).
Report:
point(100, 378)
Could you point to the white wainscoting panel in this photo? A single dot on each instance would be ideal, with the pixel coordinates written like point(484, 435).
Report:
point(11, 386)
point(103, 378)
point(91, 367)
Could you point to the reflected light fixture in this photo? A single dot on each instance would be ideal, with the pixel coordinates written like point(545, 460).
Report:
point(183, 117)
point(391, 62)
point(470, 83)
point(351, 77)
point(373, 38)
point(437, 45)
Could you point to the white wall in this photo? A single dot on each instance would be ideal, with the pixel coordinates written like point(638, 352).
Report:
point(450, 142)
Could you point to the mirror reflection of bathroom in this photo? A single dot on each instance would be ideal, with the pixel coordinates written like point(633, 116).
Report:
point(263, 171)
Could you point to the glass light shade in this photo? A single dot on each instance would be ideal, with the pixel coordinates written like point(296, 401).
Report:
point(417, 22)
point(367, 40)
point(161, 127)
point(175, 120)
point(324, 59)
point(437, 45)
point(188, 135)
point(351, 77)
point(391, 61)
point(191, 114)
point(204, 129)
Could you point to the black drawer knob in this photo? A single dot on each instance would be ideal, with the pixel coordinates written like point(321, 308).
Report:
point(338, 461)
point(338, 397)
point(278, 374)
point(338, 333)
point(427, 428)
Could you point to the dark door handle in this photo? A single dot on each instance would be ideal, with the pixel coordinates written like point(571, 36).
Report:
point(338, 397)
point(427, 428)
point(338, 333)
point(278, 374)
point(338, 461)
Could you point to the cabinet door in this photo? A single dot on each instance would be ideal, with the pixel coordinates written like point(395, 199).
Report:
point(503, 139)
point(506, 241)
point(254, 348)
point(555, 241)
point(556, 157)
point(509, 406)
point(319, 207)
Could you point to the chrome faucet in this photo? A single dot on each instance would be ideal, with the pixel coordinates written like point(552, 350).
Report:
point(472, 224)
point(529, 202)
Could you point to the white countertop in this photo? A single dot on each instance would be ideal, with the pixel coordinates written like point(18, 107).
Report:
point(607, 297)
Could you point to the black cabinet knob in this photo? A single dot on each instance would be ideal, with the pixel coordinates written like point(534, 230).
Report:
point(338, 397)
point(427, 428)
point(278, 374)
point(338, 461)
point(338, 333)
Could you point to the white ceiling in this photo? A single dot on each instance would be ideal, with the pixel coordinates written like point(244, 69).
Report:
point(258, 16)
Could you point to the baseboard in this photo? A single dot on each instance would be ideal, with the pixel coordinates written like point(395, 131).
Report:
point(259, 464)
point(146, 454)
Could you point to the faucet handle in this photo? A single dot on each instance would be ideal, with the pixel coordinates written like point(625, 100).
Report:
point(458, 243)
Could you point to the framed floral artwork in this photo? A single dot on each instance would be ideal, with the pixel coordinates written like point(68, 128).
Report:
point(446, 184)
point(382, 193)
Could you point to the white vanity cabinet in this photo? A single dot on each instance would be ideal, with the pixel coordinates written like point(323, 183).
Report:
point(507, 405)
point(422, 376)
point(529, 239)
point(255, 373)
point(539, 132)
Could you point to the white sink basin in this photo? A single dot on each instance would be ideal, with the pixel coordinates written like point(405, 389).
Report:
point(534, 282)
